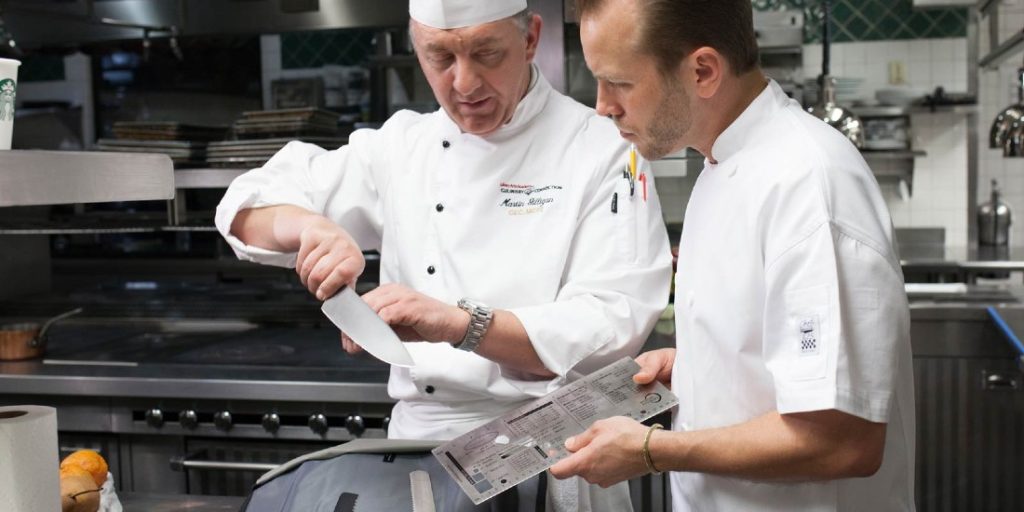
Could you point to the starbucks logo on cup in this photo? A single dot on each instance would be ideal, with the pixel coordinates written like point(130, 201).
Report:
point(8, 88)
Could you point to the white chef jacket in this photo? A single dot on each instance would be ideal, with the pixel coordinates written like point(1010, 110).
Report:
point(789, 298)
point(520, 219)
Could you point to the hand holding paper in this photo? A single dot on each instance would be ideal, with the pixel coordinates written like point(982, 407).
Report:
point(531, 438)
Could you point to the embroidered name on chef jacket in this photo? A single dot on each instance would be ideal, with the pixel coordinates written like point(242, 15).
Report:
point(525, 199)
point(809, 336)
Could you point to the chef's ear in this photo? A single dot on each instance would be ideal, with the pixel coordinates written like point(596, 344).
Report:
point(533, 36)
point(708, 66)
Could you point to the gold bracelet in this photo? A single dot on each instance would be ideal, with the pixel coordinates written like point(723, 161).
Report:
point(647, 449)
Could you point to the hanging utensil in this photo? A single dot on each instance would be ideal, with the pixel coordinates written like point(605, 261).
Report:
point(994, 219)
point(1014, 144)
point(1004, 121)
point(826, 108)
point(27, 340)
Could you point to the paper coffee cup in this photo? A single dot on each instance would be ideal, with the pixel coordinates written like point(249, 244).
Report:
point(8, 90)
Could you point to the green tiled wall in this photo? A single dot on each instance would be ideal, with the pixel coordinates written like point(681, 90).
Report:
point(852, 20)
point(314, 49)
point(874, 20)
point(40, 68)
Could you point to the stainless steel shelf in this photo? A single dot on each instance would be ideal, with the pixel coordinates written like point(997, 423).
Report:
point(63, 177)
point(891, 111)
point(205, 178)
point(102, 225)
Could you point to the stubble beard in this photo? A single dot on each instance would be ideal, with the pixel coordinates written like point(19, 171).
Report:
point(667, 129)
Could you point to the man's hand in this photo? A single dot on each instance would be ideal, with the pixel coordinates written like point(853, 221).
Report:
point(656, 365)
point(328, 258)
point(349, 345)
point(607, 453)
point(417, 317)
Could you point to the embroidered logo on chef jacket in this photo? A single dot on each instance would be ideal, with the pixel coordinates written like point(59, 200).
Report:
point(809, 336)
point(525, 199)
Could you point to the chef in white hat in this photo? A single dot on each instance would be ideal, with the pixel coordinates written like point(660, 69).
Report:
point(518, 244)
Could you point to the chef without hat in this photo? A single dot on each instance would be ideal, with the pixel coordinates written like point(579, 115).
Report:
point(446, 14)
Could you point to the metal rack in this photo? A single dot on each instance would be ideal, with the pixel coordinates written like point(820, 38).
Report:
point(999, 50)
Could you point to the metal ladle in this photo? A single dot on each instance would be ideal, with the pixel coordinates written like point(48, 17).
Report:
point(1014, 144)
point(826, 108)
point(1003, 125)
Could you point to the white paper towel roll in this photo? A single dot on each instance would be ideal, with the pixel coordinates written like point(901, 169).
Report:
point(29, 461)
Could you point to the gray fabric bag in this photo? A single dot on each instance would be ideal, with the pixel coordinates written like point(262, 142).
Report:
point(372, 475)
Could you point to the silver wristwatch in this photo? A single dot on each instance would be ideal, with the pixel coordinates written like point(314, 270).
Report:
point(479, 320)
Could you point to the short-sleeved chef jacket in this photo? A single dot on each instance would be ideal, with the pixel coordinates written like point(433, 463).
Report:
point(789, 297)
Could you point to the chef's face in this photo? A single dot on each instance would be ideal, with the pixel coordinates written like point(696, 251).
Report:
point(650, 108)
point(478, 73)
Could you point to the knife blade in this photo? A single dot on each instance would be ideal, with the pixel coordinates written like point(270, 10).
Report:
point(355, 318)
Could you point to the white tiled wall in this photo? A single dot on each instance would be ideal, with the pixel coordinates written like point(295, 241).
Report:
point(937, 196)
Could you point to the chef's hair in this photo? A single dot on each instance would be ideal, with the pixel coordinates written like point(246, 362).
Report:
point(522, 19)
point(672, 29)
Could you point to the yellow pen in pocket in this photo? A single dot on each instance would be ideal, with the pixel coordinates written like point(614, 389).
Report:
point(632, 161)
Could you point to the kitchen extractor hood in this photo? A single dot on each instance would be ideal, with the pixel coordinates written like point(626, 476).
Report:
point(42, 23)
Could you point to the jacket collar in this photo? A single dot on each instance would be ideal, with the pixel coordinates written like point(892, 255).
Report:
point(741, 131)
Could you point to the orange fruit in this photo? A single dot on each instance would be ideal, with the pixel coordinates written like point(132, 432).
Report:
point(74, 470)
point(89, 461)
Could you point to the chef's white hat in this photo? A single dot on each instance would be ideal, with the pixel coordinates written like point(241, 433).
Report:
point(445, 14)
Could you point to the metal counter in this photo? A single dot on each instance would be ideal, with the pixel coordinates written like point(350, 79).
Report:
point(962, 261)
point(146, 502)
point(170, 381)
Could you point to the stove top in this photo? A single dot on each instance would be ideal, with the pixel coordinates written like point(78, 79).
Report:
point(194, 342)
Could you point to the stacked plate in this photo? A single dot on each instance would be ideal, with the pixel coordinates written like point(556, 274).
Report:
point(184, 143)
point(167, 130)
point(182, 152)
point(255, 152)
point(292, 122)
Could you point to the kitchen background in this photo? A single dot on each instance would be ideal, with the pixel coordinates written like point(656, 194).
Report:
point(233, 370)
point(877, 44)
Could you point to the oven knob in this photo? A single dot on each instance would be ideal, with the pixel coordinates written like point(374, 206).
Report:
point(355, 424)
point(222, 420)
point(188, 419)
point(271, 422)
point(318, 424)
point(155, 418)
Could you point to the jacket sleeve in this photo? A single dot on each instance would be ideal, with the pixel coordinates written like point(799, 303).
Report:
point(343, 185)
point(616, 281)
point(836, 324)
